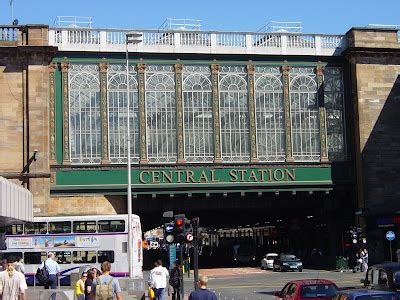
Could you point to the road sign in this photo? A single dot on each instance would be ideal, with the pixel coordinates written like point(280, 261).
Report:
point(390, 236)
point(169, 228)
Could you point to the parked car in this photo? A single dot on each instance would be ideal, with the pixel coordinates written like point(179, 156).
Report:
point(287, 262)
point(308, 288)
point(268, 261)
point(365, 294)
point(384, 276)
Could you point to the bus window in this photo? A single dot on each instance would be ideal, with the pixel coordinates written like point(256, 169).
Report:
point(63, 257)
point(15, 229)
point(84, 226)
point(36, 228)
point(84, 257)
point(34, 258)
point(111, 226)
point(105, 256)
point(60, 227)
point(4, 255)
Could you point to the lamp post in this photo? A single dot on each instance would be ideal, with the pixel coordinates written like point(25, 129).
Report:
point(130, 38)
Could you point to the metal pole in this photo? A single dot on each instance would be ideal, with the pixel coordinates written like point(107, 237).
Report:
point(196, 252)
point(181, 259)
point(390, 245)
point(129, 191)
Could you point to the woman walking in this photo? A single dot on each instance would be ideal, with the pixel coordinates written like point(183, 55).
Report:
point(12, 283)
point(80, 287)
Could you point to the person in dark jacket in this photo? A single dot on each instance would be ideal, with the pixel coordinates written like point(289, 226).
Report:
point(202, 293)
point(175, 281)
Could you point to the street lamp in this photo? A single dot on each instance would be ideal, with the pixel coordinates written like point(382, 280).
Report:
point(130, 38)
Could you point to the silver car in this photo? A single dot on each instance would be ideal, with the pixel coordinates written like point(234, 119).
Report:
point(268, 261)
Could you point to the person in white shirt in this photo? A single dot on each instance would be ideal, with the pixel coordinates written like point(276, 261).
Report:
point(54, 271)
point(159, 281)
point(12, 283)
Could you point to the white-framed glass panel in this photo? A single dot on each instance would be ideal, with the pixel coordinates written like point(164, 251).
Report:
point(198, 114)
point(234, 114)
point(334, 106)
point(304, 113)
point(117, 114)
point(84, 114)
point(270, 115)
point(161, 114)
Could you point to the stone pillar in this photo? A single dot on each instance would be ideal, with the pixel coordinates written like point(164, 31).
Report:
point(142, 114)
point(252, 115)
point(217, 128)
point(65, 101)
point(179, 113)
point(105, 155)
point(322, 113)
point(288, 124)
point(52, 111)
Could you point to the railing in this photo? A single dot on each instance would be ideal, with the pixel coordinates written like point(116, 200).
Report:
point(9, 34)
point(71, 39)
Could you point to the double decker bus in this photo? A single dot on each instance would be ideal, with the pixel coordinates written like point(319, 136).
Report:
point(76, 241)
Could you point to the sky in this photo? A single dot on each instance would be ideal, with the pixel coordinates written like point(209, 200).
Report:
point(330, 17)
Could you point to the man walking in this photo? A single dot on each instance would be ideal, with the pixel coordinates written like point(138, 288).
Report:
point(202, 293)
point(175, 281)
point(53, 269)
point(158, 280)
point(105, 286)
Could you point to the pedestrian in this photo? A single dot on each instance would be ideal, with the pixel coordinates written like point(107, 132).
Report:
point(175, 276)
point(202, 293)
point(158, 280)
point(12, 283)
point(105, 286)
point(20, 265)
point(53, 270)
point(364, 260)
point(80, 287)
point(91, 275)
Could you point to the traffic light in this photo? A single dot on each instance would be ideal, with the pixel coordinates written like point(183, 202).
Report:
point(188, 232)
point(169, 233)
point(179, 228)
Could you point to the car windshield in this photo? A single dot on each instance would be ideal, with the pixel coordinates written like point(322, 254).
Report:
point(288, 257)
point(318, 290)
point(378, 297)
point(271, 257)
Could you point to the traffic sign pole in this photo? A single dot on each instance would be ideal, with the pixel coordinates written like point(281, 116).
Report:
point(390, 245)
point(390, 236)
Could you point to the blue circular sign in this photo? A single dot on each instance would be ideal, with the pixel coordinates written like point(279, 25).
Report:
point(169, 228)
point(390, 236)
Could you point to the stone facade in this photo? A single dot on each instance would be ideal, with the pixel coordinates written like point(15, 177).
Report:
point(376, 101)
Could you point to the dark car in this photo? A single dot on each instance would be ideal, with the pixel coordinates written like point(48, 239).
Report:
point(320, 289)
point(384, 276)
point(365, 294)
point(287, 262)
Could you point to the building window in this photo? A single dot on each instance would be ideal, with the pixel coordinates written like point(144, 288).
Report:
point(117, 114)
point(84, 106)
point(270, 115)
point(198, 115)
point(161, 114)
point(334, 105)
point(304, 114)
point(234, 114)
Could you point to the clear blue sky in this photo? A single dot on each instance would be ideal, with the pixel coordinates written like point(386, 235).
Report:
point(334, 16)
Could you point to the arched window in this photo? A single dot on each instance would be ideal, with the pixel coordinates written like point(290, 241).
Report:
point(198, 114)
point(234, 114)
point(161, 114)
point(84, 105)
point(304, 115)
point(270, 116)
point(117, 114)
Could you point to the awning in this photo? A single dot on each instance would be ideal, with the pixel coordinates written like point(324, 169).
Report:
point(16, 203)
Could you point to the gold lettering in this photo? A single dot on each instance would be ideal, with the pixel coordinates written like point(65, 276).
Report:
point(203, 177)
point(233, 175)
point(155, 176)
point(213, 176)
point(179, 173)
point(282, 175)
point(262, 172)
point(253, 176)
point(142, 179)
point(291, 175)
point(189, 176)
point(269, 175)
point(167, 177)
point(242, 172)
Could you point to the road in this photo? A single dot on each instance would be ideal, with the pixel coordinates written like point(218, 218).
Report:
point(252, 283)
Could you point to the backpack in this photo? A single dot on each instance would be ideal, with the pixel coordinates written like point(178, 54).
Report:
point(42, 275)
point(104, 291)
